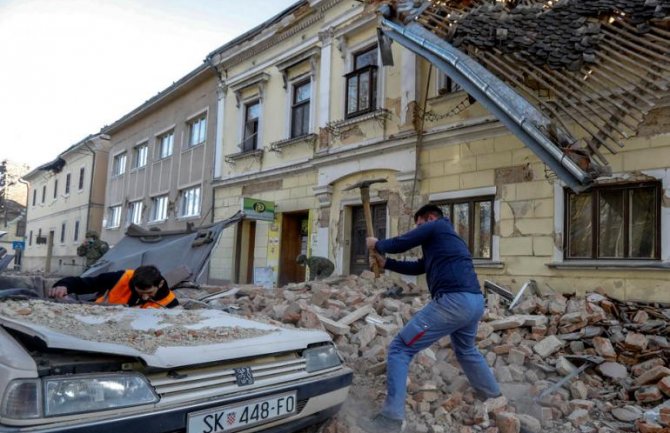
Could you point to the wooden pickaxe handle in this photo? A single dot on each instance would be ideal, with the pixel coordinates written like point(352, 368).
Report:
point(367, 212)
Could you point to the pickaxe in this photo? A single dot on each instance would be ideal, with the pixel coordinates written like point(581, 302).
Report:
point(365, 198)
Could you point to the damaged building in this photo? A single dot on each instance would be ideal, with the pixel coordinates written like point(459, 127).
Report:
point(563, 183)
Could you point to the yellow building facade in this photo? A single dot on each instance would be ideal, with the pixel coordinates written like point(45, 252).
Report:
point(306, 110)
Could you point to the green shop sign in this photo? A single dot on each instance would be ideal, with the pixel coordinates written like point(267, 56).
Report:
point(258, 209)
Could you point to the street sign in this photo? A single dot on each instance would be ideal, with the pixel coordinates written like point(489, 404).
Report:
point(18, 245)
point(258, 209)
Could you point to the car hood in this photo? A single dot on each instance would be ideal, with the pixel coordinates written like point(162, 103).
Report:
point(161, 338)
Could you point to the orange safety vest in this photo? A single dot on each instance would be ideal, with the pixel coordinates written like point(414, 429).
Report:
point(121, 294)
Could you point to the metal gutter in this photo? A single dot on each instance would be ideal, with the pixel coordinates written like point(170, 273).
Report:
point(518, 115)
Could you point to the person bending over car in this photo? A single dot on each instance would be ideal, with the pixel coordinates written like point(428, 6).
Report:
point(143, 287)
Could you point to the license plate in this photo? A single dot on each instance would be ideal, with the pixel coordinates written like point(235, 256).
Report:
point(242, 415)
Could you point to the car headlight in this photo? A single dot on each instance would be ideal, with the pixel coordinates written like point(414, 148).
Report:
point(320, 358)
point(65, 395)
point(68, 394)
point(23, 399)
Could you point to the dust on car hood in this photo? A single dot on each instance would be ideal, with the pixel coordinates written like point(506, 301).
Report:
point(164, 338)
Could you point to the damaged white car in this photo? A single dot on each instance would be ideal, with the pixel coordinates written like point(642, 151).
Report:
point(81, 368)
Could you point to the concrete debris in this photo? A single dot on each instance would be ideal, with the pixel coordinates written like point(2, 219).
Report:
point(547, 337)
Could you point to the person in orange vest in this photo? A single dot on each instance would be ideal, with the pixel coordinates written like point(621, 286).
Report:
point(143, 287)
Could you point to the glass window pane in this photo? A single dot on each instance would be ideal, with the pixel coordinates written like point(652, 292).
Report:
point(611, 231)
point(482, 236)
point(461, 219)
point(580, 235)
point(352, 94)
point(642, 232)
point(365, 59)
point(302, 93)
point(253, 111)
point(364, 93)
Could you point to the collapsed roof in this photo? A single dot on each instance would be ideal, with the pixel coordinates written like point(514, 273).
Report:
point(570, 78)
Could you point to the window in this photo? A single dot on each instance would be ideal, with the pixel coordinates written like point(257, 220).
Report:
point(113, 217)
point(34, 197)
point(197, 131)
point(67, 184)
point(300, 109)
point(44, 193)
point(135, 212)
point(614, 222)
point(82, 171)
point(362, 84)
point(166, 142)
point(446, 85)
point(76, 231)
point(190, 202)
point(55, 189)
point(140, 155)
point(159, 209)
point(472, 219)
point(62, 233)
point(119, 164)
point(252, 113)
point(30, 238)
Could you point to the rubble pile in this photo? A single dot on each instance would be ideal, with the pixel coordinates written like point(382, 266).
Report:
point(611, 357)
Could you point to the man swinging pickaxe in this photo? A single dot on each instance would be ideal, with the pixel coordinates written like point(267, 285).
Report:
point(365, 198)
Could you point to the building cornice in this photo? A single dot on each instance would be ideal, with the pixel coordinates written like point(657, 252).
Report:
point(465, 131)
point(242, 54)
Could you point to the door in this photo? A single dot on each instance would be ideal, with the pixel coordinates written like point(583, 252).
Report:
point(359, 252)
point(293, 243)
point(246, 243)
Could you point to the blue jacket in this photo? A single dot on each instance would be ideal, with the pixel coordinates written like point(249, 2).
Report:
point(446, 259)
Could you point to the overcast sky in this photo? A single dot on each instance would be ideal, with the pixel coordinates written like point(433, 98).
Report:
point(69, 67)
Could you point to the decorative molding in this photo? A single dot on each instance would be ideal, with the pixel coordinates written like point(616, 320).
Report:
point(339, 127)
point(234, 157)
point(277, 146)
point(277, 38)
point(259, 80)
point(311, 54)
point(324, 194)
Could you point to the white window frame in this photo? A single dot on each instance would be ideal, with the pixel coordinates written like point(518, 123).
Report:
point(135, 209)
point(140, 155)
point(190, 202)
point(119, 162)
point(159, 208)
point(302, 79)
point(113, 217)
point(194, 123)
point(162, 144)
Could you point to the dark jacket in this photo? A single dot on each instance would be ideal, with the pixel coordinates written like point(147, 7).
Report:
point(446, 259)
point(106, 281)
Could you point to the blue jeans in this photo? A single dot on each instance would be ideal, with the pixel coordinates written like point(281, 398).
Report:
point(454, 314)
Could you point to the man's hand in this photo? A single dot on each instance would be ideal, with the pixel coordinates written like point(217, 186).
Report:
point(379, 259)
point(371, 243)
point(57, 292)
